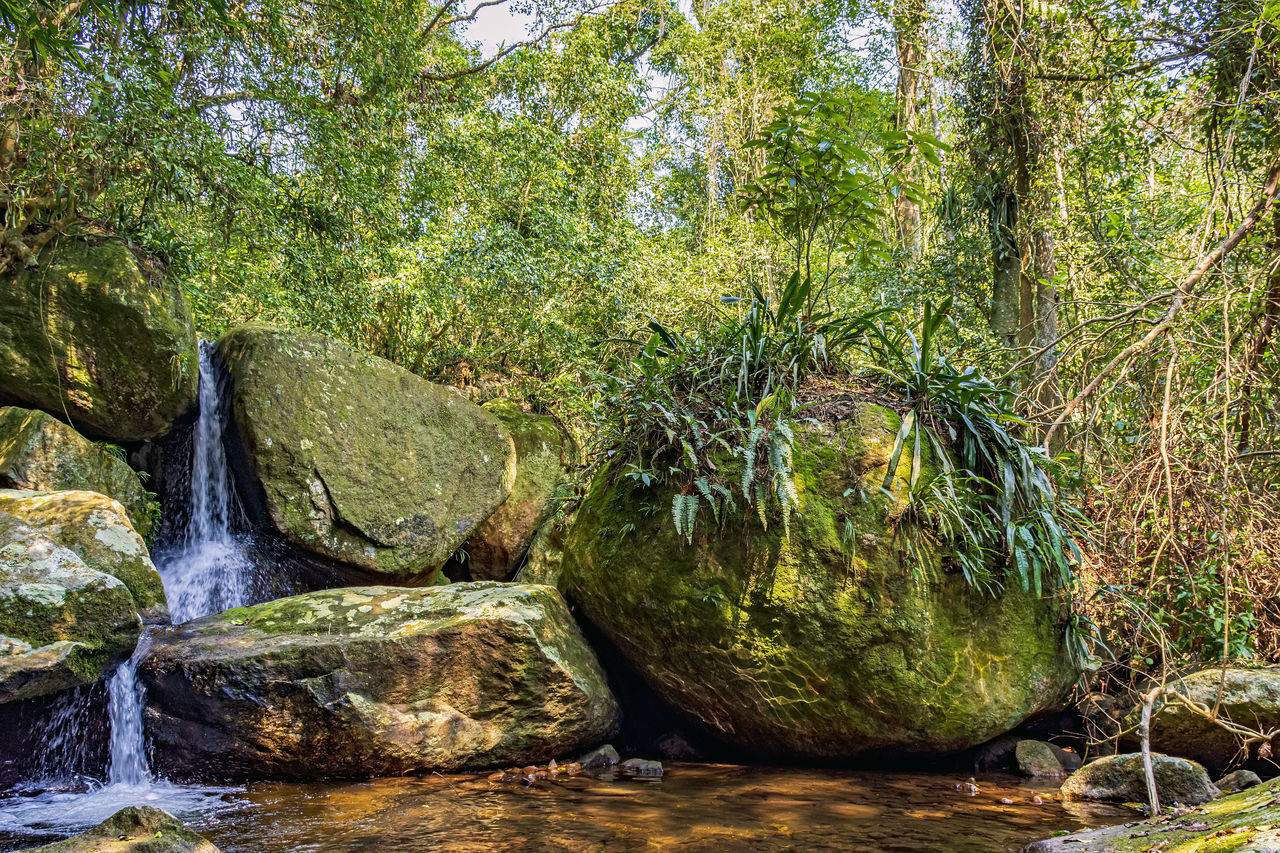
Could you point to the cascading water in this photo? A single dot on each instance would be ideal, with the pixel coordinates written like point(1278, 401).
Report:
point(128, 749)
point(208, 570)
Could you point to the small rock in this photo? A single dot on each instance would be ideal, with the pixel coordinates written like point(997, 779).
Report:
point(1238, 780)
point(600, 757)
point(138, 828)
point(675, 747)
point(641, 767)
point(1069, 759)
point(1037, 758)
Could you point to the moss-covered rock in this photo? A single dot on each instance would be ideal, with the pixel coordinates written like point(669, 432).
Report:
point(1037, 758)
point(97, 530)
point(1248, 822)
point(136, 829)
point(40, 453)
point(359, 460)
point(96, 336)
point(62, 624)
point(1250, 697)
point(823, 645)
point(544, 455)
point(370, 681)
point(1120, 779)
point(546, 554)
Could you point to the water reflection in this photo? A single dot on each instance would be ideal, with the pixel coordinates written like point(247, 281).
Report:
point(695, 807)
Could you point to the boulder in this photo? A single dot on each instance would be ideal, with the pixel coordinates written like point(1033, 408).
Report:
point(40, 453)
point(62, 624)
point(374, 681)
point(546, 554)
point(602, 757)
point(1250, 697)
point(137, 829)
point(544, 454)
point(1248, 822)
point(819, 645)
point(97, 530)
point(1238, 780)
point(95, 335)
point(1119, 778)
point(1070, 760)
point(1037, 758)
point(358, 460)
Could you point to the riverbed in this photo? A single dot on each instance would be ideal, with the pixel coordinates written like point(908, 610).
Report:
point(693, 807)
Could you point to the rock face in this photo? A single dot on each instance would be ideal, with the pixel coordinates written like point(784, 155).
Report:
point(1119, 778)
point(96, 336)
point(137, 829)
point(1250, 697)
point(371, 681)
point(359, 460)
point(543, 456)
point(808, 648)
point(40, 453)
point(96, 529)
point(546, 554)
point(62, 624)
point(1248, 822)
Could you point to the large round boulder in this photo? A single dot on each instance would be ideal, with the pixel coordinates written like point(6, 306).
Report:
point(1249, 697)
point(97, 530)
point(370, 681)
point(359, 460)
point(62, 624)
point(826, 644)
point(544, 455)
point(40, 453)
point(1121, 779)
point(97, 336)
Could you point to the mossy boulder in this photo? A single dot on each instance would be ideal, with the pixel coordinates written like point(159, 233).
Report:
point(371, 681)
point(546, 554)
point(97, 530)
point(62, 624)
point(1037, 758)
point(1248, 822)
point(136, 829)
point(544, 455)
point(823, 645)
point(40, 453)
point(1120, 779)
point(359, 460)
point(97, 336)
point(1250, 697)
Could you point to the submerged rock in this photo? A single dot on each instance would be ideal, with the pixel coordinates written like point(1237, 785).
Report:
point(40, 453)
point(359, 460)
point(62, 624)
point(544, 454)
point(95, 335)
point(1248, 822)
point(823, 645)
point(1250, 697)
point(141, 829)
point(372, 681)
point(1120, 779)
point(97, 529)
point(1036, 758)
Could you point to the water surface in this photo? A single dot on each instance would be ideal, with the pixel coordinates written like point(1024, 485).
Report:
point(694, 807)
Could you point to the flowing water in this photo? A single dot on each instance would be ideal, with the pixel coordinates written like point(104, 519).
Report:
point(694, 807)
point(208, 570)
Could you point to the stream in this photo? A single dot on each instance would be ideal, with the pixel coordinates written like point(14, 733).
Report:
point(693, 807)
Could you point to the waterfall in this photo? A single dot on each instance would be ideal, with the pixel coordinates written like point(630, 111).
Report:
point(207, 571)
point(127, 748)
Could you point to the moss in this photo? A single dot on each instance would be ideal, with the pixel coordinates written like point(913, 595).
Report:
point(798, 646)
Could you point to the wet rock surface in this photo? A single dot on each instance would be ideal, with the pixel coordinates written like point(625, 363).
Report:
point(372, 681)
point(1120, 779)
point(137, 829)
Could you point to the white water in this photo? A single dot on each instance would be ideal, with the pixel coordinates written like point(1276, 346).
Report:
point(208, 571)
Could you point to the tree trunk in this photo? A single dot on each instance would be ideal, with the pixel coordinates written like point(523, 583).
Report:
point(908, 23)
point(1006, 289)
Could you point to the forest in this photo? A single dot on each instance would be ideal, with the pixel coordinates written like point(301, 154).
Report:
point(1042, 235)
